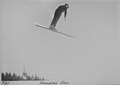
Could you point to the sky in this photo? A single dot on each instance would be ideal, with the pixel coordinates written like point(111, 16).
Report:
point(92, 56)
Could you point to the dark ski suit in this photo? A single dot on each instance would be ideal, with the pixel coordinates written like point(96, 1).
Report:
point(57, 15)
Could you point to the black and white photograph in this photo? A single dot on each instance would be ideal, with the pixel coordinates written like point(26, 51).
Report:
point(60, 42)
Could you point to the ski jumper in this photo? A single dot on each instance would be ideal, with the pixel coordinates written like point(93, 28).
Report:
point(58, 12)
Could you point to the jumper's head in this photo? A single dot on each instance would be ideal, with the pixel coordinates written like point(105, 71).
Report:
point(67, 6)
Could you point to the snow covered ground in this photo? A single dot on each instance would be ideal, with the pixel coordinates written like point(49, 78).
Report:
point(35, 83)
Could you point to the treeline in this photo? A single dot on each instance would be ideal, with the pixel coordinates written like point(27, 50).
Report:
point(10, 77)
point(14, 77)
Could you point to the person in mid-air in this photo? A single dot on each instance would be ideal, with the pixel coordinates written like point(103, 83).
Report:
point(58, 12)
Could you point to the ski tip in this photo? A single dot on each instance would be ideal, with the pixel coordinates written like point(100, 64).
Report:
point(35, 23)
point(72, 36)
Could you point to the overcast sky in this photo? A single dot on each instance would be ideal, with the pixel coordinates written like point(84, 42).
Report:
point(92, 56)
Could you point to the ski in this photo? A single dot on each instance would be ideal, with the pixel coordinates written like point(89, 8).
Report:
point(52, 30)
